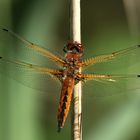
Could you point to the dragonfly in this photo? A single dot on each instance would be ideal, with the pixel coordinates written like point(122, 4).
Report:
point(68, 74)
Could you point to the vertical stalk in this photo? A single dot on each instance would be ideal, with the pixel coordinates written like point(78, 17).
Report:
point(77, 105)
point(132, 13)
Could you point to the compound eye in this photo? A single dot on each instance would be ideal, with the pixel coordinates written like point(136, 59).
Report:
point(75, 49)
point(68, 47)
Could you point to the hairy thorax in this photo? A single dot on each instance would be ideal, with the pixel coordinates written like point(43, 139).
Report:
point(72, 65)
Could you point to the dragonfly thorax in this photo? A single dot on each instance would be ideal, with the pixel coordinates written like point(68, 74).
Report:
point(71, 69)
point(74, 51)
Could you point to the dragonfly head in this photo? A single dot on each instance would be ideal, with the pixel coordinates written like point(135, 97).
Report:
point(73, 47)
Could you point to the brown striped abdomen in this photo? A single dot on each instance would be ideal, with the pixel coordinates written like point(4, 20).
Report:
point(65, 101)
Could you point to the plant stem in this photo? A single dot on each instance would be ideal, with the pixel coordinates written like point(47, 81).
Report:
point(77, 105)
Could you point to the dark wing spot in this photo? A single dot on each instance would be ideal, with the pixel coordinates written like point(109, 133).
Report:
point(5, 29)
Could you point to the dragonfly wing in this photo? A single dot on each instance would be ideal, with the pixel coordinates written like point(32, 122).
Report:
point(110, 85)
point(107, 57)
point(21, 42)
point(34, 76)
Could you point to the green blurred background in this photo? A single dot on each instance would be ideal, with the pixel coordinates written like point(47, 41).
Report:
point(107, 25)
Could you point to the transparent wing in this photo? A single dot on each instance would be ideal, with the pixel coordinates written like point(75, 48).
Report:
point(34, 76)
point(116, 77)
point(17, 45)
point(110, 85)
point(107, 57)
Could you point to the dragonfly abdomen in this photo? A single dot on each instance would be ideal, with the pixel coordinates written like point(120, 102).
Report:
point(65, 101)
